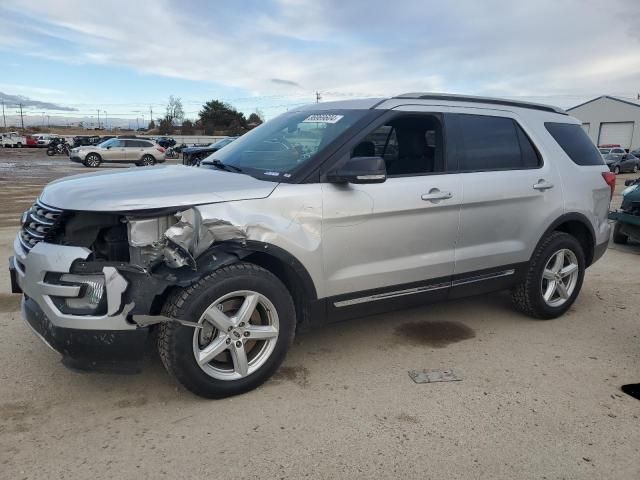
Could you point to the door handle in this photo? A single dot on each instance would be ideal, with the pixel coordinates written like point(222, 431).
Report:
point(542, 185)
point(435, 194)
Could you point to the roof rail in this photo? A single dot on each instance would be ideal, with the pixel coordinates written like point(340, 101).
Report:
point(475, 99)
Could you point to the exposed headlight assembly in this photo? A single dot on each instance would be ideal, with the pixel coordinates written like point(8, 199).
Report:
point(92, 299)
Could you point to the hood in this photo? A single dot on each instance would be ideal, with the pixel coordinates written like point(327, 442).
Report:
point(148, 188)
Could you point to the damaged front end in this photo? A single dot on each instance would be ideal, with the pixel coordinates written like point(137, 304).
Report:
point(93, 282)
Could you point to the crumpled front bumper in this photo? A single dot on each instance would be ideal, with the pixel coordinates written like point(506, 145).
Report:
point(32, 268)
point(108, 343)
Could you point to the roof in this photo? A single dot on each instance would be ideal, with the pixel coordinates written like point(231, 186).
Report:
point(628, 101)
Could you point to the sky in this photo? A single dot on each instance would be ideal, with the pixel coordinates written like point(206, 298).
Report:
point(80, 59)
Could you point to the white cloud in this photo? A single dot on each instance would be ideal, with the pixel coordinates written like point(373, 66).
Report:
point(354, 48)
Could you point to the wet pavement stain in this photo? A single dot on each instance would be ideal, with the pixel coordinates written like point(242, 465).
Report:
point(434, 334)
point(9, 302)
point(296, 374)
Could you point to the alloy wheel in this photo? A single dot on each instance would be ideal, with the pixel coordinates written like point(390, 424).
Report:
point(559, 277)
point(238, 335)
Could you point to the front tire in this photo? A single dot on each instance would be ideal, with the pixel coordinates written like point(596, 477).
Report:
point(554, 278)
point(92, 160)
point(248, 324)
point(616, 170)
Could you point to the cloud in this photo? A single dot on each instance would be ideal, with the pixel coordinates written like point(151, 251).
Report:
point(26, 102)
point(286, 83)
point(345, 49)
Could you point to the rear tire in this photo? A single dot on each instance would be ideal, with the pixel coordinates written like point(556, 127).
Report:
point(546, 291)
point(619, 237)
point(635, 168)
point(221, 373)
point(616, 170)
point(148, 161)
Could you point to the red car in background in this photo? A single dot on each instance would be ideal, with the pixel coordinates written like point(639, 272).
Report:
point(32, 141)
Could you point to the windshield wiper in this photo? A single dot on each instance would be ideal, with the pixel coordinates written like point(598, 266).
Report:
point(223, 166)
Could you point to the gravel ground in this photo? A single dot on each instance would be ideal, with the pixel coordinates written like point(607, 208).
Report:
point(537, 399)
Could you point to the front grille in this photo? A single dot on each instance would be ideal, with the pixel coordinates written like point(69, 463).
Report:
point(39, 223)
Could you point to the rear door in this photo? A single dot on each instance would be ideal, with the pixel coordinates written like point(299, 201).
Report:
point(509, 192)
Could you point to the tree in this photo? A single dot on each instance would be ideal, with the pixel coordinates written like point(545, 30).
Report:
point(187, 127)
point(216, 116)
point(151, 125)
point(165, 127)
point(254, 119)
point(174, 113)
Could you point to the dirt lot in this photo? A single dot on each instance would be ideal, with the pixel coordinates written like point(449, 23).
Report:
point(537, 399)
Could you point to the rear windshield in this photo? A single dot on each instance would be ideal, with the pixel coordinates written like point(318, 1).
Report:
point(575, 143)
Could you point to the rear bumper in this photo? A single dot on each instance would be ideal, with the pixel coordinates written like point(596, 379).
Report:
point(112, 351)
point(599, 250)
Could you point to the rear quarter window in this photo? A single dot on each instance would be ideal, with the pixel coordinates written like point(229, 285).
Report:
point(575, 143)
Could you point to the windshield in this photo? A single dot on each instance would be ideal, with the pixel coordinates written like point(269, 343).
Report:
point(108, 143)
point(274, 150)
point(604, 151)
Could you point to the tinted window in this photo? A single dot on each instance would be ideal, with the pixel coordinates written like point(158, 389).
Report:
point(492, 143)
point(575, 143)
point(410, 145)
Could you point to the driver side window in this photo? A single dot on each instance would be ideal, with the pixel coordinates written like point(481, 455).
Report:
point(409, 145)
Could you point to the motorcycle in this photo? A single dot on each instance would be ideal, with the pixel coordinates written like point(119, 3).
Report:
point(58, 147)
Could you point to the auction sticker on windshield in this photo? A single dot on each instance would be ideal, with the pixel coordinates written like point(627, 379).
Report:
point(322, 118)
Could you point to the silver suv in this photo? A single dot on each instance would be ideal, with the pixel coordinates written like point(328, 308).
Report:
point(119, 150)
point(326, 212)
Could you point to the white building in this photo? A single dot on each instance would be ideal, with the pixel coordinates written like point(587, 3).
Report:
point(610, 120)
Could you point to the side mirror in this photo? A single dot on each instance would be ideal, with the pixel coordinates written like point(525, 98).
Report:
point(360, 170)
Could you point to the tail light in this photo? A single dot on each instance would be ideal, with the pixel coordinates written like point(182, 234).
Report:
point(161, 149)
point(610, 178)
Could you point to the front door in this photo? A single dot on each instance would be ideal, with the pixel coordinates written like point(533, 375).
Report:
point(393, 239)
point(113, 151)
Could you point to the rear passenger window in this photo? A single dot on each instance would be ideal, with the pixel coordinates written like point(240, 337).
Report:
point(575, 143)
point(492, 143)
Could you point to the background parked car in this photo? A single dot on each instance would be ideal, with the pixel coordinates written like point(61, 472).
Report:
point(622, 163)
point(119, 150)
point(165, 142)
point(32, 141)
point(627, 226)
point(607, 150)
point(13, 139)
point(194, 155)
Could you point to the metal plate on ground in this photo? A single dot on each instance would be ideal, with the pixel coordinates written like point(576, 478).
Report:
point(432, 376)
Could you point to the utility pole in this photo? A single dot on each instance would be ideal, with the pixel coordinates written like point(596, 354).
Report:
point(98, 119)
point(21, 117)
point(43, 118)
point(106, 120)
point(137, 123)
point(4, 119)
point(318, 97)
point(48, 122)
point(150, 114)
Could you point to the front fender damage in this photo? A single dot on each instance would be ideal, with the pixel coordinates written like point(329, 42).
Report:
point(166, 252)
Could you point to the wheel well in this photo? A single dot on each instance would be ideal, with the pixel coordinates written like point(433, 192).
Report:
point(287, 274)
point(580, 231)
